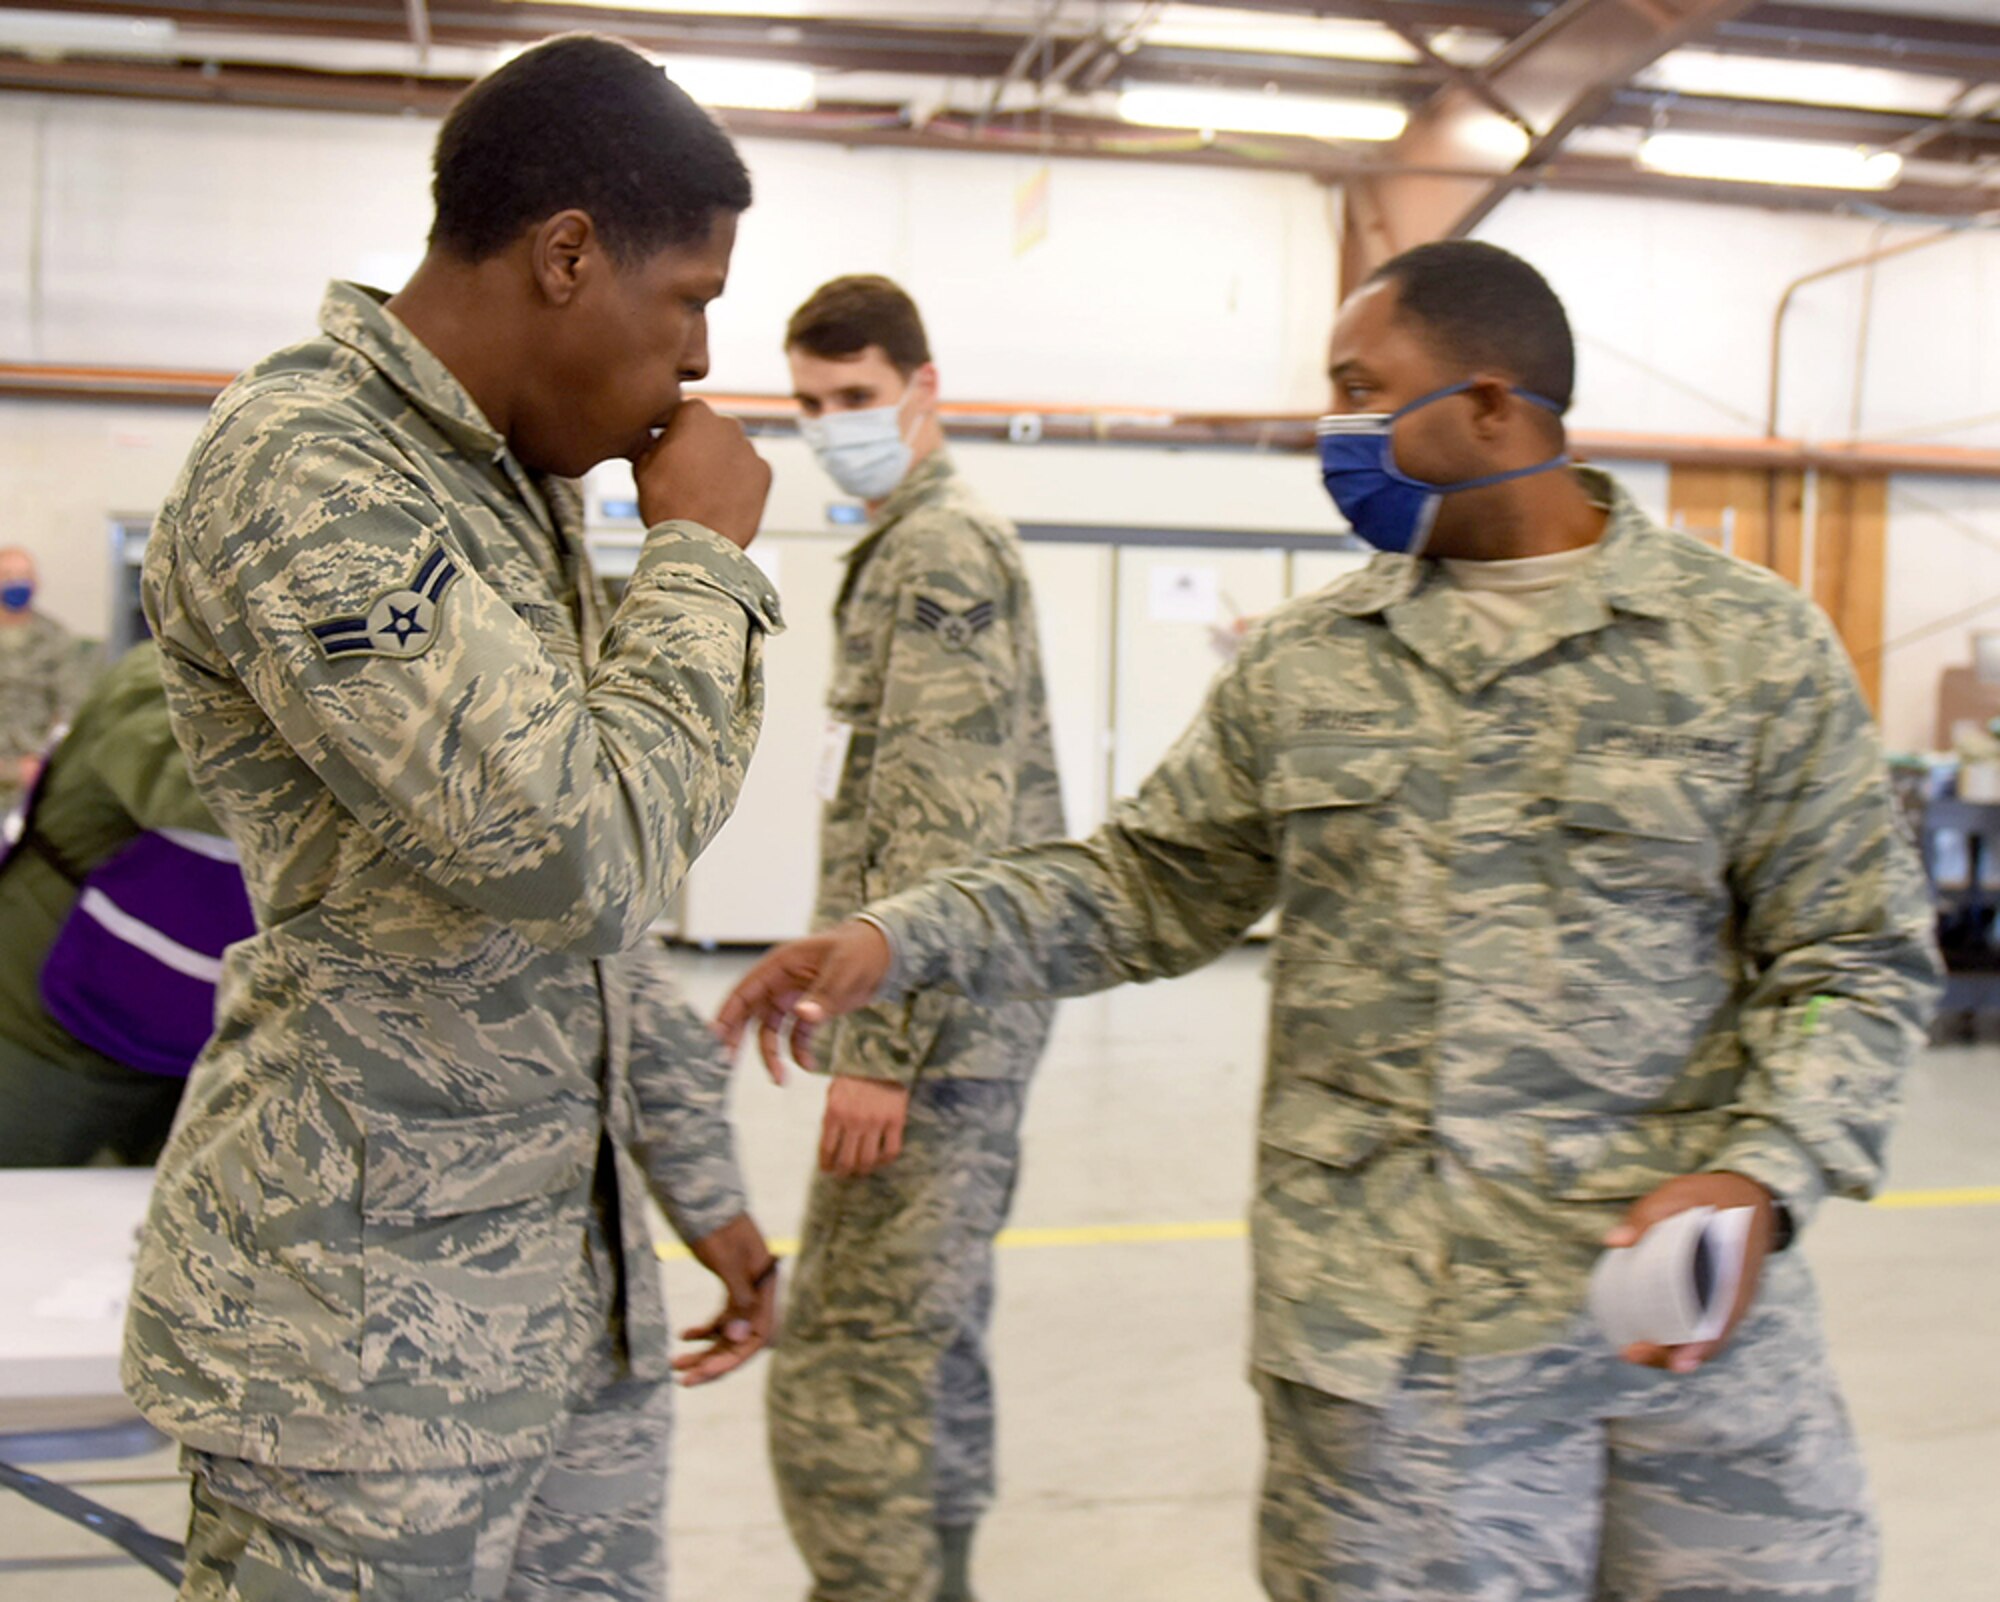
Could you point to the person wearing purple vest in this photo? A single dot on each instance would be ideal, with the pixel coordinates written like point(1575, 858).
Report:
point(114, 904)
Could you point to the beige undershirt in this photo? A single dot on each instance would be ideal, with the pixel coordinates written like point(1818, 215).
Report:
point(1501, 597)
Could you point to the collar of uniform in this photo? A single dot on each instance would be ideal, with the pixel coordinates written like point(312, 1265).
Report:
point(924, 483)
point(1634, 570)
point(919, 485)
point(359, 318)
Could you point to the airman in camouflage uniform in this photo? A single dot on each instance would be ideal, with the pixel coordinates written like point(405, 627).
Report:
point(881, 1402)
point(396, 1295)
point(1574, 928)
point(45, 671)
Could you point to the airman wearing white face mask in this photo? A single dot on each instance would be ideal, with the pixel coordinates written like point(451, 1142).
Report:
point(938, 750)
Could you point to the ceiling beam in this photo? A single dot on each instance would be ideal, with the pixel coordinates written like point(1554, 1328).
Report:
point(1957, 48)
point(1948, 137)
point(1554, 78)
point(885, 127)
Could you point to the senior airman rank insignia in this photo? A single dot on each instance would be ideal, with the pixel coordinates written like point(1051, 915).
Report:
point(955, 630)
point(402, 623)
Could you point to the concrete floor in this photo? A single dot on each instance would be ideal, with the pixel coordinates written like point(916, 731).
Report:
point(1130, 1449)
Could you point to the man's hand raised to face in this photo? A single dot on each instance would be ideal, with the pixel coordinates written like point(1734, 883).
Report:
point(703, 469)
point(802, 985)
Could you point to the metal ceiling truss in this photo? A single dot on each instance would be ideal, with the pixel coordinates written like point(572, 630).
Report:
point(1546, 84)
point(1560, 67)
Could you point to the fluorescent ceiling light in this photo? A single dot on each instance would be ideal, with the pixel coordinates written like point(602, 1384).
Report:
point(1465, 48)
point(54, 32)
point(698, 8)
point(732, 85)
point(743, 85)
point(986, 15)
point(1806, 83)
point(1218, 110)
point(1342, 39)
point(1789, 162)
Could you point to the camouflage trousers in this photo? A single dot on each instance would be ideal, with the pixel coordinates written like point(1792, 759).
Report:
point(588, 1519)
point(1750, 1490)
point(881, 1402)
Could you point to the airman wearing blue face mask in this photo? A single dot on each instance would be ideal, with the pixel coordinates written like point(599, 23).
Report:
point(1593, 908)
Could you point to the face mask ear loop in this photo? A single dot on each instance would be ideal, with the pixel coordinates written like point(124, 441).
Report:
point(1560, 459)
point(1389, 433)
point(909, 439)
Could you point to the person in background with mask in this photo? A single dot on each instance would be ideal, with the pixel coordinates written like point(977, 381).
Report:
point(938, 751)
point(44, 673)
point(1594, 907)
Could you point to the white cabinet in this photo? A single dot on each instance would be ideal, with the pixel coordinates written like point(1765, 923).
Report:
point(756, 881)
point(1132, 634)
point(1177, 607)
point(1072, 586)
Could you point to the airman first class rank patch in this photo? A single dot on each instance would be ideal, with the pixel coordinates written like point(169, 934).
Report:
point(955, 630)
point(402, 623)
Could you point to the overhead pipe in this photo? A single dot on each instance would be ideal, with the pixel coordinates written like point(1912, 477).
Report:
point(1866, 259)
point(1851, 460)
point(1290, 432)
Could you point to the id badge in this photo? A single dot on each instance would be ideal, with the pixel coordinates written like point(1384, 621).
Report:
point(833, 758)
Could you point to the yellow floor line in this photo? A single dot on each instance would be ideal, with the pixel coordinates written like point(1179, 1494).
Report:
point(1235, 1228)
point(1963, 1196)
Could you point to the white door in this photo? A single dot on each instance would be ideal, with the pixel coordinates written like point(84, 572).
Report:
point(756, 882)
point(1179, 612)
point(1072, 586)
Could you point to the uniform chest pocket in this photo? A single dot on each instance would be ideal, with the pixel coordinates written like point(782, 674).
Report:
point(1629, 829)
point(1640, 899)
point(1347, 855)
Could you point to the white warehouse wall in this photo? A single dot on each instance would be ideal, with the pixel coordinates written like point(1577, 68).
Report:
point(159, 235)
point(203, 236)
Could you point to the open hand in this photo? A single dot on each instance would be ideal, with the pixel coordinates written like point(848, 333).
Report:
point(800, 986)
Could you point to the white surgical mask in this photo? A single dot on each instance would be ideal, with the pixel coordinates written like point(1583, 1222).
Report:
point(866, 453)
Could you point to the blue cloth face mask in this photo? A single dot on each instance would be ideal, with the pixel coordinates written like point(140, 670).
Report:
point(1383, 504)
point(16, 597)
point(864, 452)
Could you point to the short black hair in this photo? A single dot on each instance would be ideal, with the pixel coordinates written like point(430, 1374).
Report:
point(585, 123)
point(847, 315)
point(1484, 307)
